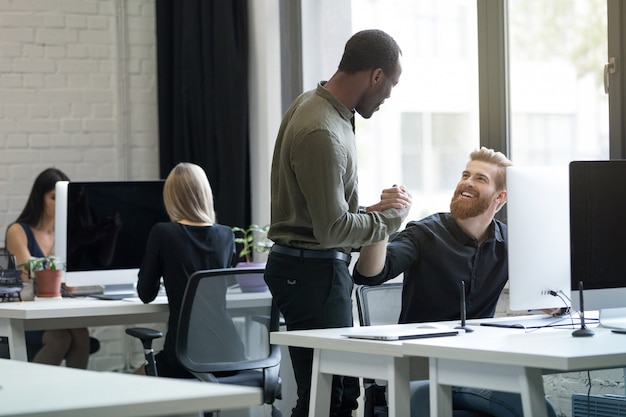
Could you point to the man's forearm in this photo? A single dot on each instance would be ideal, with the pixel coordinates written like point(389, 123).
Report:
point(372, 258)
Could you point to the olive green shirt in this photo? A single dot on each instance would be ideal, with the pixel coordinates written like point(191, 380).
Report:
point(314, 187)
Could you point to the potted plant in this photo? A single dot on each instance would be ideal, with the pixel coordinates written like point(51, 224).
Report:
point(253, 239)
point(48, 272)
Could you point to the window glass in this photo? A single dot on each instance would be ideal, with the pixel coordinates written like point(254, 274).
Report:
point(557, 51)
point(422, 136)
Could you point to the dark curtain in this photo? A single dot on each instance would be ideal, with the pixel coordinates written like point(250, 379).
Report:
point(202, 64)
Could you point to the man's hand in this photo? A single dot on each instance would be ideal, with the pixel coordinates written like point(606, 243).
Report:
point(395, 197)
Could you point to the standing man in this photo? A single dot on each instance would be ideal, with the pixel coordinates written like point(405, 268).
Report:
point(437, 253)
point(316, 218)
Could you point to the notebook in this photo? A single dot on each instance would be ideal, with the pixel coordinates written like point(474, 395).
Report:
point(397, 333)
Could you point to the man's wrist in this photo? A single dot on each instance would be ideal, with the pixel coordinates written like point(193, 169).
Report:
point(362, 210)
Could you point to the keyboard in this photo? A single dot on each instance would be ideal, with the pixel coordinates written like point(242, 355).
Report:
point(563, 321)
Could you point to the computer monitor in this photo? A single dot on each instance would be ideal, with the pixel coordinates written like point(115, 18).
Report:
point(102, 227)
point(598, 237)
point(538, 237)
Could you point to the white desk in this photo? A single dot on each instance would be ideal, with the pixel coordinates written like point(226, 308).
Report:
point(16, 317)
point(494, 358)
point(337, 355)
point(512, 360)
point(34, 390)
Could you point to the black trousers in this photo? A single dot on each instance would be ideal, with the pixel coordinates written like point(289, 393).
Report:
point(314, 294)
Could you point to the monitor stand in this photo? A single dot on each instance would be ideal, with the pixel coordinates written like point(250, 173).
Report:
point(127, 290)
point(613, 318)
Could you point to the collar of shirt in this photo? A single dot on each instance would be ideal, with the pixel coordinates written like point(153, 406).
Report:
point(495, 232)
point(343, 111)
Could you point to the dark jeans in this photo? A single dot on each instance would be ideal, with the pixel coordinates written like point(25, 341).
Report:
point(474, 401)
point(314, 294)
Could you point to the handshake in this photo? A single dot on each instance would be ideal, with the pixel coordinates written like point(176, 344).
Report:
point(395, 197)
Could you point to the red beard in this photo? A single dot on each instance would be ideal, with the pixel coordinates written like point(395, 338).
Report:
point(463, 209)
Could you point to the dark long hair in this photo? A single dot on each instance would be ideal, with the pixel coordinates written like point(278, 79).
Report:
point(45, 182)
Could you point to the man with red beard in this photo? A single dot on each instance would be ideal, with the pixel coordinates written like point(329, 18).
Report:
point(436, 254)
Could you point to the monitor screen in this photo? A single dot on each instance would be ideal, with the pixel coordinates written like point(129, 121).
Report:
point(102, 228)
point(598, 237)
point(538, 237)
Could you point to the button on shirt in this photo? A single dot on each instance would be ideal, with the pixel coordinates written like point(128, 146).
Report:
point(435, 255)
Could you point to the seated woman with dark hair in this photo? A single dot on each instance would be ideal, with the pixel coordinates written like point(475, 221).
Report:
point(32, 235)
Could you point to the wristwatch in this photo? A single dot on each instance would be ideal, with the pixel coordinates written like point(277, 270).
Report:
point(362, 210)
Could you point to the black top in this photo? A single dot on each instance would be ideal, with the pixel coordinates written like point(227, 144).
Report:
point(435, 256)
point(174, 251)
point(33, 246)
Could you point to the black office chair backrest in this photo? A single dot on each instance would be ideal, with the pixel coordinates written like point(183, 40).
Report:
point(379, 304)
point(216, 337)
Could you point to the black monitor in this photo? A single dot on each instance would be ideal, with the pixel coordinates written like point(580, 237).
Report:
point(102, 228)
point(598, 237)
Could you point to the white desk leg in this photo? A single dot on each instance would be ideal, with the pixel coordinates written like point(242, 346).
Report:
point(321, 385)
point(440, 395)
point(398, 392)
point(532, 392)
point(14, 330)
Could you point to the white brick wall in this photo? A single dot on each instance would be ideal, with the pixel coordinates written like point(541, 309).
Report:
point(64, 66)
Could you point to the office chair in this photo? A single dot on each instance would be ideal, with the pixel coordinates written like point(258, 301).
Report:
point(219, 344)
point(379, 305)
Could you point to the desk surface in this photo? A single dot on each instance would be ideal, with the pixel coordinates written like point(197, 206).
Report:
point(81, 306)
point(332, 339)
point(550, 349)
point(28, 389)
point(66, 313)
point(76, 307)
point(508, 359)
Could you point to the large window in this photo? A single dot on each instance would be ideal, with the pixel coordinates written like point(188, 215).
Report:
point(553, 108)
point(422, 135)
point(521, 76)
point(559, 110)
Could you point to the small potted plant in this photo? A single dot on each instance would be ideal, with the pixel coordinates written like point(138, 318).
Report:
point(48, 273)
point(253, 239)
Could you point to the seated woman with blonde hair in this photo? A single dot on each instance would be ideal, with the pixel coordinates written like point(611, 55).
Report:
point(191, 242)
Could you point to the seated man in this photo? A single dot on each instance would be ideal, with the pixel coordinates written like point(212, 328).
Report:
point(436, 254)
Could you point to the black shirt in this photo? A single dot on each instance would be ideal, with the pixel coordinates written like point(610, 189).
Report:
point(435, 256)
point(174, 251)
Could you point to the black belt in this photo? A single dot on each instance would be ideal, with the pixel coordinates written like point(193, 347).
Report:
point(315, 254)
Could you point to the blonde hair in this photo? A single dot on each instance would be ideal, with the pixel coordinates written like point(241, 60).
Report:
point(187, 194)
point(496, 158)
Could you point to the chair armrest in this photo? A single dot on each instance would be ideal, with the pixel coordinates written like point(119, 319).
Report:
point(272, 385)
point(144, 334)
